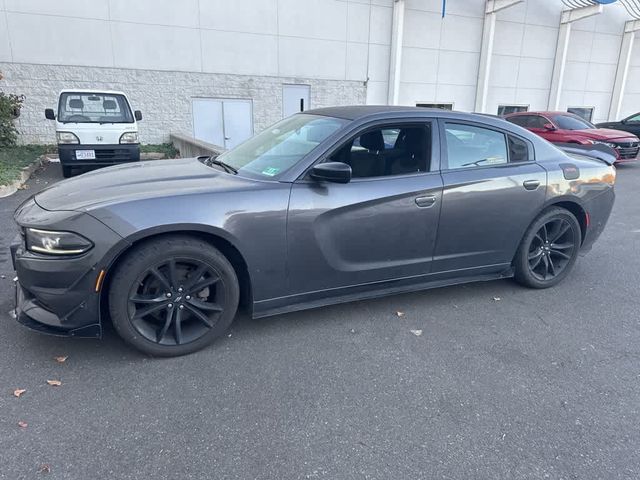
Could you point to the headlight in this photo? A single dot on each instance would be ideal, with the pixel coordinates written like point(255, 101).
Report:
point(129, 137)
point(56, 243)
point(67, 137)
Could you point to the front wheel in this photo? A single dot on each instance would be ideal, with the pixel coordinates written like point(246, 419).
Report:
point(548, 249)
point(173, 295)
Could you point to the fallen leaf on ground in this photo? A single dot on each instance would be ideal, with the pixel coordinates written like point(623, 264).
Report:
point(54, 383)
point(18, 391)
point(44, 469)
point(496, 299)
point(22, 424)
point(60, 359)
point(417, 333)
point(400, 314)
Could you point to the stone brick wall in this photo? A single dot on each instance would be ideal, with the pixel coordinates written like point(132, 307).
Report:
point(164, 97)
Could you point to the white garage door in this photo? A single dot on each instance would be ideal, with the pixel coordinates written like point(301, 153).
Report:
point(224, 122)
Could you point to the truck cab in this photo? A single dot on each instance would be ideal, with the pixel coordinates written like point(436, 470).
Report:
point(95, 128)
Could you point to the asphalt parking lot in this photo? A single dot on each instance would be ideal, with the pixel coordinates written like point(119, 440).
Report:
point(503, 383)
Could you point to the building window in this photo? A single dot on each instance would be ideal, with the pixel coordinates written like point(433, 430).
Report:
point(441, 106)
point(583, 112)
point(507, 109)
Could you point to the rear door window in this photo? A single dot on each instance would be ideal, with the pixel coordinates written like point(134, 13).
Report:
point(471, 146)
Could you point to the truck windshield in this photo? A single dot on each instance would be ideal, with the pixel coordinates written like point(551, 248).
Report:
point(274, 151)
point(93, 108)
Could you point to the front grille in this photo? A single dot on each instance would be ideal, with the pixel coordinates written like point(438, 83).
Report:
point(627, 150)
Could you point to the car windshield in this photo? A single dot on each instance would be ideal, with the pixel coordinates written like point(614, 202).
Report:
point(278, 148)
point(571, 122)
point(93, 108)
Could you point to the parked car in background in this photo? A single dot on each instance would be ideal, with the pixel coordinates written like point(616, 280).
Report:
point(630, 124)
point(564, 127)
point(95, 128)
point(326, 206)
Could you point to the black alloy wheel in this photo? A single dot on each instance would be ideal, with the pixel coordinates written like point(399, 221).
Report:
point(551, 249)
point(548, 249)
point(173, 295)
point(176, 301)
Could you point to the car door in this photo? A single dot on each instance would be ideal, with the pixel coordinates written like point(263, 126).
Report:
point(492, 189)
point(381, 225)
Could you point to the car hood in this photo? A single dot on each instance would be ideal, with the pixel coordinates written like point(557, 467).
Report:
point(137, 181)
point(606, 134)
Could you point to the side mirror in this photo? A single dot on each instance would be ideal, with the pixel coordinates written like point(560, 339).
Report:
point(336, 172)
point(549, 126)
point(138, 115)
point(623, 121)
point(49, 115)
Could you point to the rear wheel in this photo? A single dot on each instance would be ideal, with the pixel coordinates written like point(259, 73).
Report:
point(173, 296)
point(67, 171)
point(548, 249)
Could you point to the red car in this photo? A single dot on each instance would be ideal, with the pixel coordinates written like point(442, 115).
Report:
point(563, 127)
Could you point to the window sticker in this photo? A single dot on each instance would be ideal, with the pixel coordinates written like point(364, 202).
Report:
point(271, 171)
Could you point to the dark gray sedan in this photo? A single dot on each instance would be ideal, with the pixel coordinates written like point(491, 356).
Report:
point(327, 206)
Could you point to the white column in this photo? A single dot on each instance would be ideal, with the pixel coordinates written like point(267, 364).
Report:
point(486, 50)
point(395, 60)
point(557, 79)
point(564, 36)
point(626, 48)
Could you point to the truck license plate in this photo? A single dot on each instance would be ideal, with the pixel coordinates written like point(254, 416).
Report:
point(85, 154)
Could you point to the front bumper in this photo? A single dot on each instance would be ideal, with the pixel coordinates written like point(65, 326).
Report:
point(57, 295)
point(105, 155)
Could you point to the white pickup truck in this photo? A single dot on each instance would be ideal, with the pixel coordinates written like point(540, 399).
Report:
point(95, 128)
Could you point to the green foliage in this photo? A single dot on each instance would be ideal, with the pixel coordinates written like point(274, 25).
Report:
point(167, 148)
point(14, 159)
point(10, 106)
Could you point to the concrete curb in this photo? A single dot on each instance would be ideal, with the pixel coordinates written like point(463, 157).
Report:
point(25, 174)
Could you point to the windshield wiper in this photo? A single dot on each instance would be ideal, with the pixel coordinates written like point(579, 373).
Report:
point(227, 168)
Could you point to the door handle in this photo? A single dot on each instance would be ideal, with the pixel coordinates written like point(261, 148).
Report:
point(426, 201)
point(531, 184)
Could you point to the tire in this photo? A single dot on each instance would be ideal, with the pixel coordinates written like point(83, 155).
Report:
point(173, 295)
point(548, 250)
point(67, 171)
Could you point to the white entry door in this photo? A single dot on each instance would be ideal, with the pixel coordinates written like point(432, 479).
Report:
point(295, 98)
point(223, 122)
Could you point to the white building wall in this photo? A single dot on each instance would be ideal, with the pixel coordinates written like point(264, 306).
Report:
point(240, 49)
point(248, 48)
point(592, 61)
point(524, 52)
point(631, 102)
point(440, 55)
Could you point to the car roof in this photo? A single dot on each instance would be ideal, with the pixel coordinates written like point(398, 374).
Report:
point(539, 112)
point(358, 112)
point(91, 90)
